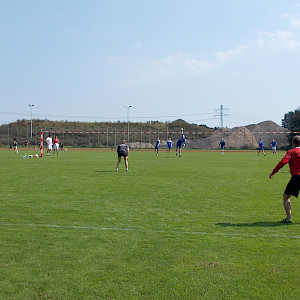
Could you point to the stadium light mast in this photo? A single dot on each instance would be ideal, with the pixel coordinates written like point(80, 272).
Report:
point(127, 121)
point(31, 106)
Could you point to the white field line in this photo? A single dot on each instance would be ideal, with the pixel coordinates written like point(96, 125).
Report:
point(154, 231)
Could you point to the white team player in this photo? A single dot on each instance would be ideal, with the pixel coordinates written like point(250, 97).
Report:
point(49, 144)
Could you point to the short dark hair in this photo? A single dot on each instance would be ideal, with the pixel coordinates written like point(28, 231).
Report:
point(296, 140)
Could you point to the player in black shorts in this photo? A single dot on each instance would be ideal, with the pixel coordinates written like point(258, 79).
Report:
point(123, 151)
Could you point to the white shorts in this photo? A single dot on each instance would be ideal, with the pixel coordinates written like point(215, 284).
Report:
point(49, 147)
point(56, 146)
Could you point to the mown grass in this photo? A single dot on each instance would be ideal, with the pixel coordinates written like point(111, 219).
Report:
point(203, 226)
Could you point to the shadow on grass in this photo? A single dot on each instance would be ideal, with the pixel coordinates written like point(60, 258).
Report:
point(255, 224)
point(106, 171)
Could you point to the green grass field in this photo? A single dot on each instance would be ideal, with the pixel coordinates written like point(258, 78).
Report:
point(203, 226)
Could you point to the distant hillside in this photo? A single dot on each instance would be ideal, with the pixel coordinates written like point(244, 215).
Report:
point(100, 134)
point(143, 135)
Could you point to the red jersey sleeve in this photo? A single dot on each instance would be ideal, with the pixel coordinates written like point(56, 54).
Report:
point(293, 158)
point(283, 162)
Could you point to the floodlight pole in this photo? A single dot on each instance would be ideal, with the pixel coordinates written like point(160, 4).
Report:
point(31, 105)
point(127, 121)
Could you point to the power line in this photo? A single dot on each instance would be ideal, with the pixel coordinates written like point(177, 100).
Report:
point(101, 117)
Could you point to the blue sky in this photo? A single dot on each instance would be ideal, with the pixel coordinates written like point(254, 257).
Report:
point(86, 60)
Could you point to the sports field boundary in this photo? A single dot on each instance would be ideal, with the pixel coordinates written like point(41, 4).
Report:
point(173, 232)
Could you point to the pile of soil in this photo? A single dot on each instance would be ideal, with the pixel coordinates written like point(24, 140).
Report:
point(245, 137)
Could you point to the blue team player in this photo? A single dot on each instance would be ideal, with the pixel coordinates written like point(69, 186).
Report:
point(169, 145)
point(222, 144)
point(261, 147)
point(157, 144)
point(274, 146)
point(180, 143)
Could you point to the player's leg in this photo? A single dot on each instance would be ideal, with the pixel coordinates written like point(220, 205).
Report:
point(126, 162)
point(287, 206)
point(118, 163)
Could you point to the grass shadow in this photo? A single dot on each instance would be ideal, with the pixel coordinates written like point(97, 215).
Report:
point(255, 224)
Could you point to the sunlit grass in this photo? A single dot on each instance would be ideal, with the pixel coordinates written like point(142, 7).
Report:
point(203, 226)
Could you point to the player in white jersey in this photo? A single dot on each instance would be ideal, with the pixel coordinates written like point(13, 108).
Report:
point(49, 144)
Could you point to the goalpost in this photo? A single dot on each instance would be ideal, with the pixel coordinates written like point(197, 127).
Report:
point(41, 145)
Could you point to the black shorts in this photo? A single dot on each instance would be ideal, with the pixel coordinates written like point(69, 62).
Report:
point(120, 154)
point(293, 186)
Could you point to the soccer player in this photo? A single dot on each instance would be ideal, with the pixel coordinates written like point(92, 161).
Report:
point(180, 143)
point(123, 151)
point(169, 145)
point(274, 146)
point(157, 144)
point(292, 189)
point(49, 144)
point(261, 147)
point(56, 145)
point(15, 145)
point(222, 144)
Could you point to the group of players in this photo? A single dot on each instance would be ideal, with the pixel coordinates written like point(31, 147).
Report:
point(292, 157)
point(179, 145)
point(52, 144)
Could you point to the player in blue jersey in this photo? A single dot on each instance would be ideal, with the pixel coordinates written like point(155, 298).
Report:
point(274, 146)
point(157, 144)
point(169, 145)
point(261, 147)
point(222, 144)
point(180, 143)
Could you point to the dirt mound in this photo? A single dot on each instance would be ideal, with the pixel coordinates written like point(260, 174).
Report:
point(238, 137)
point(139, 145)
point(244, 137)
point(267, 131)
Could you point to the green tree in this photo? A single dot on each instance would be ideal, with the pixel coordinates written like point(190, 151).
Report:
point(291, 121)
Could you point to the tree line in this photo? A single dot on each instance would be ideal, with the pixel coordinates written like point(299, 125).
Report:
point(110, 133)
point(291, 121)
point(107, 134)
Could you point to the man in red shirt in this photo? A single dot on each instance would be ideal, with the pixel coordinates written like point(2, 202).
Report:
point(292, 189)
point(56, 145)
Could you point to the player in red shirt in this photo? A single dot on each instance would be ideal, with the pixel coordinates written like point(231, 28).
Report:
point(56, 145)
point(292, 189)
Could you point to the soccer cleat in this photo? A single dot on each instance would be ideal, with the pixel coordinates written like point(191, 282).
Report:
point(117, 170)
point(287, 221)
point(127, 170)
